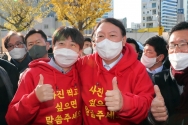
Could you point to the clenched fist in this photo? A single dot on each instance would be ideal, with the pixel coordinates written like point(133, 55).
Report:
point(44, 92)
point(114, 99)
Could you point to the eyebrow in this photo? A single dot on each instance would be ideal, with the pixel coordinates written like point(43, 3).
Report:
point(108, 32)
point(112, 32)
point(178, 41)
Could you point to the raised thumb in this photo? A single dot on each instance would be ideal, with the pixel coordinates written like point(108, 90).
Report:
point(114, 84)
point(41, 79)
point(157, 91)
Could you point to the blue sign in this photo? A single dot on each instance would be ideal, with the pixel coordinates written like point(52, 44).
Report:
point(180, 11)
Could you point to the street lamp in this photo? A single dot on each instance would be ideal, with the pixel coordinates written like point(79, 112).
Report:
point(160, 30)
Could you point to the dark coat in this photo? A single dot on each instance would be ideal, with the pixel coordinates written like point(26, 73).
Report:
point(171, 94)
point(152, 76)
point(12, 73)
point(6, 94)
point(21, 66)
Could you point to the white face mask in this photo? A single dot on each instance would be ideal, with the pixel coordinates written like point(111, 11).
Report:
point(65, 57)
point(148, 62)
point(108, 49)
point(179, 61)
point(17, 53)
point(87, 50)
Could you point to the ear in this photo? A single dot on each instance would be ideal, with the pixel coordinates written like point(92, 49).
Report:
point(161, 57)
point(47, 46)
point(80, 52)
point(93, 44)
point(124, 40)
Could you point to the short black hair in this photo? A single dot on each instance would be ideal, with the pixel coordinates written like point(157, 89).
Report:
point(133, 41)
point(9, 35)
point(33, 31)
point(112, 21)
point(87, 39)
point(65, 32)
point(179, 26)
point(159, 44)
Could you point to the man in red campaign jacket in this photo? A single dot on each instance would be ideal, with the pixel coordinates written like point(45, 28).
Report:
point(116, 89)
point(49, 91)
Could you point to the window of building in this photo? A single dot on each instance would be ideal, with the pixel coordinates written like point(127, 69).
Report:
point(143, 24)
point(154, 11)
point(143, 12)
point(45, 26)
point(153, 5)
point(147, 11)
point(144, 6)
point(143, 18)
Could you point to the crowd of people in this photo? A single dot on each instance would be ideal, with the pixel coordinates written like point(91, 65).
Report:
point(99, 81)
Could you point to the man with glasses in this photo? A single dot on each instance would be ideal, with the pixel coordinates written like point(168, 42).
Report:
point(14, 43)
point(170, 106)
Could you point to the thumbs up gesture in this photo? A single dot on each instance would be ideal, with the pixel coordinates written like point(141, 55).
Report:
point(158, 108)
point(114, 99)
point(44, 92)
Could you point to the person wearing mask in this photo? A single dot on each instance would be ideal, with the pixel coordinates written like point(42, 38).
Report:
point(114, 89)
point(154, 54)
point(170, 106)
point(37, 44)
point(49, 91)
point(15, 45)
point(87, 48)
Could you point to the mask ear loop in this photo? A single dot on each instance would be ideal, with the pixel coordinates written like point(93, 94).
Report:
point(156, 60)
point(25, 48)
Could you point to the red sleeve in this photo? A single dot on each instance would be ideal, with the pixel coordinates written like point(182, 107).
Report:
point(137, 104)
point(24, 106)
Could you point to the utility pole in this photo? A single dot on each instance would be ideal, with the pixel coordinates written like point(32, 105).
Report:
point(160, 31)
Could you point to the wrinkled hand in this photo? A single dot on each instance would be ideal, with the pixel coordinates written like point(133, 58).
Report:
point(44, 92)
point(114, 99)
point(158, 108)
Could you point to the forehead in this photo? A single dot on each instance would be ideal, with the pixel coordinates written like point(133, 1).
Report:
point(177, 36)
point(34, 37)
point(107, 27)
point(63, 39)
point(148, 47)
point(14, 39)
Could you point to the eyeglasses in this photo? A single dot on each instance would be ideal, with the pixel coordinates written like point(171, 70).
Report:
point(182, 46)
point(17, 45)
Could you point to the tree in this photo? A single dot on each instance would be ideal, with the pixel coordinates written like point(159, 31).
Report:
point(81, 14)
point(20, 15)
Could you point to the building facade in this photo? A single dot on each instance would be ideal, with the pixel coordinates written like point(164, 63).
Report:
point(185, 7)
point(168, 14)
point(180, 11)
point(135, 25)
point(151, 10)
point(149, 13)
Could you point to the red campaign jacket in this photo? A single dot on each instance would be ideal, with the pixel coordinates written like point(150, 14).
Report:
point(133, 82)
point(25, 108)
